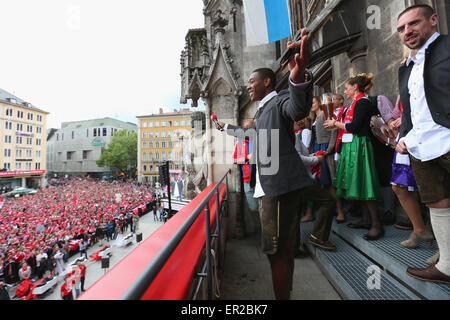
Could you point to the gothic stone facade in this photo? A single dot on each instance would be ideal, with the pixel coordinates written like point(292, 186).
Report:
point(348, 37)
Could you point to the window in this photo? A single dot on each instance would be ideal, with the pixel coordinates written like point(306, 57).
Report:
point(18, 165)
point(19, 114)
point(169, 123)
point(7, 166)
point(163, 144)
point(169, 155)
point(38, 153)
point(9, 112)
point(157, 155)
point(18, 140)
point(145, 167)
point(175, 123)
point(62, 136)
point(73, 134)
point(39, 118)
point(156, 124)
point(112, 132)
point(150, 145)
point(183, 123)
point(38, 129)
point(163, 134)
point(163, 123)
point(19, 127)
point(28, 166)
point(177, 157)
point(95, 132)
point(163, 156)
point(87, 133)
point(85, 154)
point(150, 156)
point(170, 144)
point(69, 155)
point(156, 134)
point(150, 134)
point(7, 153)
point(104, 132)
point(169, 134)
point(156, 144)
point(18, 153)
point(30, 116)
point(189, 122)
point(29, 141)
point(38, 142)
point(38, 166)
point(144, 145)
point(144, 156)
point(144, 124)
point(144, 135)
point(150, 124)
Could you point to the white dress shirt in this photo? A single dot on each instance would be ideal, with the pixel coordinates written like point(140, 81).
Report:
point(427, 140)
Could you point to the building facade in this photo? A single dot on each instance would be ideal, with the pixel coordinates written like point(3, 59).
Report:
point(347, 36)
point(74, 149)
point(23, 131)
point(161, 138)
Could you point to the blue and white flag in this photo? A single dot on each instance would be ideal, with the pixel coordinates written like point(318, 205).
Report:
point(266, 21)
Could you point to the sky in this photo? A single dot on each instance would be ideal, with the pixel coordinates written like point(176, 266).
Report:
point(86, 59)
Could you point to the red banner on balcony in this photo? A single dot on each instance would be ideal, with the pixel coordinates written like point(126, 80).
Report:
point(20, 173)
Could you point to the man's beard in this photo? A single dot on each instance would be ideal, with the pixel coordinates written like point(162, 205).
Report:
point(420, 44)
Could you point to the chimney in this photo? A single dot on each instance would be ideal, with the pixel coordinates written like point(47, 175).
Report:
point(160, 110)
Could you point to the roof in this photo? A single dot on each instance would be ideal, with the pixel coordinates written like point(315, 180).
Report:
point(102, 122)
point(165, 114)
point(5, 96)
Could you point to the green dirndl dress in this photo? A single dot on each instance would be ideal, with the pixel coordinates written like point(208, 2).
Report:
point(356, 175)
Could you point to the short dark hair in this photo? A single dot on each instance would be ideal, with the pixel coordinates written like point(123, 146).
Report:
point(427, 10)
point(339, 95)
point(267, 73)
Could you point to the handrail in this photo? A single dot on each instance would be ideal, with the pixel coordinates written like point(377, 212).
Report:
point(143, 281)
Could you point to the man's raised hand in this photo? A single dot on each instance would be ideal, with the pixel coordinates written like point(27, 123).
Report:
point(301, 60)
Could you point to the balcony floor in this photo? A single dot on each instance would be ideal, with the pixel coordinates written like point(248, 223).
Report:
point(247, 276)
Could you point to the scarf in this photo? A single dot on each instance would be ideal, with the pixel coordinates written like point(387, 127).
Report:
point(348, 118)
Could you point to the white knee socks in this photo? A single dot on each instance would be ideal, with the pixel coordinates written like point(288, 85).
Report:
point(440, 221)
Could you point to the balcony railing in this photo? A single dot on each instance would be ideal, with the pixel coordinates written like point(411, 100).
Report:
point(165, 265)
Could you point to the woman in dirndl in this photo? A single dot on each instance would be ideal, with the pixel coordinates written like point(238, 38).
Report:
point(405, 187)
point(356, 176)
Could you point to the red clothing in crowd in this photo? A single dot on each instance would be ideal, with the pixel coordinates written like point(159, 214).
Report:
point(66, 290)
point(83, 270)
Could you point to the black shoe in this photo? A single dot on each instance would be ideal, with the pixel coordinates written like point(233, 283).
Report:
point(358, 226)
point(387, 218)
point(375, 237)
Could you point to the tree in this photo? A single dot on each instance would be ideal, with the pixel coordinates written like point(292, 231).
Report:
point(121, 152)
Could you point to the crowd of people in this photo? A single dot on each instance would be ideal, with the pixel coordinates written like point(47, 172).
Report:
point(37, 232)
point(332, 156)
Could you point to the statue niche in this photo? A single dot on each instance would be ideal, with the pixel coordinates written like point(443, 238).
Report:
point(222, 100)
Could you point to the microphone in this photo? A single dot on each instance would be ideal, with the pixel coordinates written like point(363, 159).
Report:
point(214, 119)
